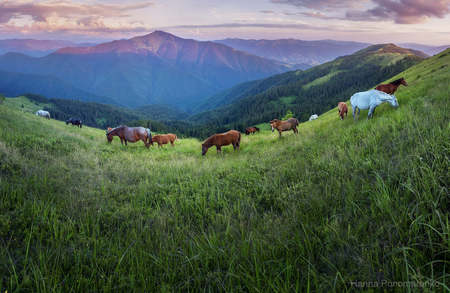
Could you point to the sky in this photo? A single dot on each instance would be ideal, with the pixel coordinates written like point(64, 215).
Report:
point(373, 21)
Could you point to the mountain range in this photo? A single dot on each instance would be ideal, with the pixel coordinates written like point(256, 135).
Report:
point(36, 48)
point(430, 50)
point(303, 54)
point(158, 68)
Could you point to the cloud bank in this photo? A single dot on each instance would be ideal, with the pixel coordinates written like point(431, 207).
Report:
point(398, 11)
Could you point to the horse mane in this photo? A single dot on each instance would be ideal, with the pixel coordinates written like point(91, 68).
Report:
point(115, 129)
point(208, 141)
point(397, 82)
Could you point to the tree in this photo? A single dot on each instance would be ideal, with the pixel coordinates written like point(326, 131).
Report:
point(288, 115)
point(2, 98)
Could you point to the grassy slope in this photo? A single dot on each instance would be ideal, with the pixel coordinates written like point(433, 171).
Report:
point(28, 106)
point(342, 201)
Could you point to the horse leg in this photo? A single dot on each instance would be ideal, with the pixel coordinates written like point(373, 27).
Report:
point(371, 111)
point(219, 149)
point(279, 132)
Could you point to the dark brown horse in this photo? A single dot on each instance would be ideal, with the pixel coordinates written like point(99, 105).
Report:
point(162, 139)
point(130, 134)
point(250, 130)
point(390, 88)
point(220, 139)
point(342, 109)
point(290, 124)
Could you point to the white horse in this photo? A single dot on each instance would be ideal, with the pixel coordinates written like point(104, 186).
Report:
point(370, 100)
point(313, 117)
point(43, 113)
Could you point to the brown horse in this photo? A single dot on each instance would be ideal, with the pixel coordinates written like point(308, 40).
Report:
point(342, 109)
point(220, 139)
point(390, 88)
point(130, 134)
point(162, 139)
point(250, 130)
point(290, 124)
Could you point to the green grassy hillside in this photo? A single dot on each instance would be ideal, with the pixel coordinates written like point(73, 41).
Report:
point(339, 203)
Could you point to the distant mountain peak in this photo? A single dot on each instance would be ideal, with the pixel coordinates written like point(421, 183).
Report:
point(157, 34)
point(392, 48)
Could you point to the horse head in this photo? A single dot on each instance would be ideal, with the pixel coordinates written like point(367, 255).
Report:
point(204, 149)
point(274, 123)
point(393, 102)
point(391, 99)
point(109, 134)
point(109, 137)
point(403, 82)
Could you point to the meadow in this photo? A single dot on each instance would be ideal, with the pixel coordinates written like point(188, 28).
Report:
point(341, 202)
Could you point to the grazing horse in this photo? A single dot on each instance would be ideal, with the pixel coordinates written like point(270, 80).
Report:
point(250, 130)
point(370, 100)
point(313, 117)
point(390, 88)
point(74, 121)
point(43, 113)
point(290, 124)
point(130, 134)
point(342, 109)
point(162, 139)
point(220, 139)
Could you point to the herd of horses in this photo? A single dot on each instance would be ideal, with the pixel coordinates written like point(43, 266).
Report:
point(361, 100)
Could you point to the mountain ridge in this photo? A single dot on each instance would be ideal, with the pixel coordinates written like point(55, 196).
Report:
point(143, 70)
point(294, 51)
point(35, 47)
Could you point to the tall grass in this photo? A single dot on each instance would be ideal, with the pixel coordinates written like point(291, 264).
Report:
point(339, 203)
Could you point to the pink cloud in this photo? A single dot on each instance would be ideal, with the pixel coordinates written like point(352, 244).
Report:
point(68, 16)
point(40, 11)
point(319, 4)
point(409, 11)
point(399, 11)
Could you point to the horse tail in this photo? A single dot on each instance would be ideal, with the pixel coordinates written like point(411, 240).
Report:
point(150, 139)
